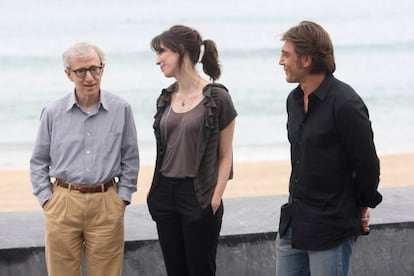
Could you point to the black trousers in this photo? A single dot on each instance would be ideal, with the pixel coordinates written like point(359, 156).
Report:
point(188, 234)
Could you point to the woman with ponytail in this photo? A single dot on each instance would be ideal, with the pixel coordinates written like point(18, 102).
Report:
point(194, 126)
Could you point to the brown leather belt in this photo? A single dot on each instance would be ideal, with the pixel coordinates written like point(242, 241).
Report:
point(85, 188)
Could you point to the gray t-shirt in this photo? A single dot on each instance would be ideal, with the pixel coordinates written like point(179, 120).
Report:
point(181, 130)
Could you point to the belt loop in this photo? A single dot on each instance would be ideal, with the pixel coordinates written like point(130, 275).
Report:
point(102, 187)
point(70, 187)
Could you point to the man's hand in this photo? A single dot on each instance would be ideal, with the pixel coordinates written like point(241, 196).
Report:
point(365, 219)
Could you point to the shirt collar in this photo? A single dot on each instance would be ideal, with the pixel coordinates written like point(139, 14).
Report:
point(103, 101)
point(321, 92)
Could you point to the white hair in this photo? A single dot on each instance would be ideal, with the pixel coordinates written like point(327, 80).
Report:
point(81, 50)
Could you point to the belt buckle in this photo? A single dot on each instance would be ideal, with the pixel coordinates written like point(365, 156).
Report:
point(83, 189)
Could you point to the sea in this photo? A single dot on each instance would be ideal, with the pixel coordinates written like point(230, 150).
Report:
point(374, 49)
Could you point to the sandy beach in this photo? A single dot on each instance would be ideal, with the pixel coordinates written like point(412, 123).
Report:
point(250, 179)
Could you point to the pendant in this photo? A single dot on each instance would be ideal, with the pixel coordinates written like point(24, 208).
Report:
point(183, 103)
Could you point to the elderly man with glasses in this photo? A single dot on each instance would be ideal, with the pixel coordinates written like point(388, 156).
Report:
point(84, 169)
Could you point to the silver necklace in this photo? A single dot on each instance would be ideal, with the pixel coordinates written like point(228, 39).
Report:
point(193, 96)
point(182, 118)
point(166, 131)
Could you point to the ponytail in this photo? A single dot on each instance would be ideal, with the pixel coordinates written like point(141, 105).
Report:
point(210, 60)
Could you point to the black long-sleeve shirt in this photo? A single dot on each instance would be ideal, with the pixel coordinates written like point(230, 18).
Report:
point(335, 168)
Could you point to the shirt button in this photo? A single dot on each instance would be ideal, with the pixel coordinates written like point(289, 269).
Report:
point(87, 152)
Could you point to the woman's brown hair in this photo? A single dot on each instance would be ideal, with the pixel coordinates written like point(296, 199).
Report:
point(183, 39)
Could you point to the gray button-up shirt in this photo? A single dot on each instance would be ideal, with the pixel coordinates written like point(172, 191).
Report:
point(88, 148)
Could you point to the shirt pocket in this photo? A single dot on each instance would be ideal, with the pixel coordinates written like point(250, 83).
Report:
point(322, 154)
point(112, 145)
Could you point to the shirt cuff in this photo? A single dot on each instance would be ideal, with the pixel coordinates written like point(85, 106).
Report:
point(44, 196)
point(125, 193)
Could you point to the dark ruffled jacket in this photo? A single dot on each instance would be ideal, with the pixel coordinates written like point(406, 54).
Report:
point(218, 114)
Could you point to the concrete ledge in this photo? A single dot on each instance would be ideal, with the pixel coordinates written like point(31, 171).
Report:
point(246, 245)
point(387, 250)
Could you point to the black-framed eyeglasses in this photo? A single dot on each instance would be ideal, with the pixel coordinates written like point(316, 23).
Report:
point(81, 72)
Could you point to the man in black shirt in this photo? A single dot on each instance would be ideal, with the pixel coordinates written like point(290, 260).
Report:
point(335, 168)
